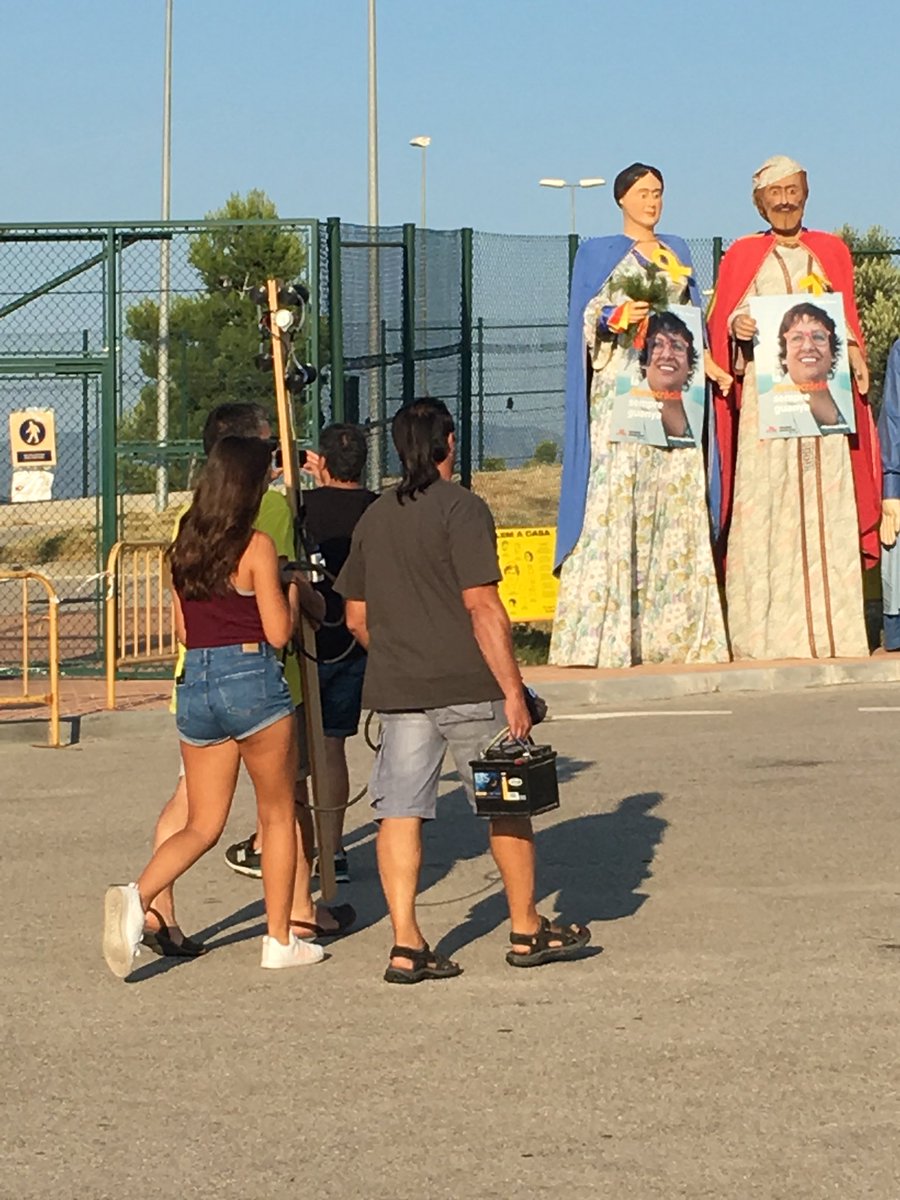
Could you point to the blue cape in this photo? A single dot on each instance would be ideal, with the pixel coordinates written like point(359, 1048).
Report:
point(595, 261)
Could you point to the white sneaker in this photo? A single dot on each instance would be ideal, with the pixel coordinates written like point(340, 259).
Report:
point(123, 927)
point(295, 954)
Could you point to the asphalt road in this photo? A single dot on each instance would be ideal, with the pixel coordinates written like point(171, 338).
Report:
point(737, 1037)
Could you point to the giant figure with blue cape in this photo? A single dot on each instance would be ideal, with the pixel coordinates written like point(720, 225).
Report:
point(633, 549)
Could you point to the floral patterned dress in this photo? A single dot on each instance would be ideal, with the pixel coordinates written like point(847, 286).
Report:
point(640, 585)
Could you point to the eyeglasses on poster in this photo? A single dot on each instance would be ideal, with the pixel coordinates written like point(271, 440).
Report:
point(802, 368)
point(661, 401)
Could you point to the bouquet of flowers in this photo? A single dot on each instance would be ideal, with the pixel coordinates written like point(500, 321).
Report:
point(647, 286)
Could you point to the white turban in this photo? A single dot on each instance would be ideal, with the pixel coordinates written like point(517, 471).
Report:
point(775, 168)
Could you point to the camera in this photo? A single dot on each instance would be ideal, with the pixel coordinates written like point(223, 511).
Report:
point(278, 456)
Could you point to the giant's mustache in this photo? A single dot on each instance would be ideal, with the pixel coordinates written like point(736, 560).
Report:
point(785, 208)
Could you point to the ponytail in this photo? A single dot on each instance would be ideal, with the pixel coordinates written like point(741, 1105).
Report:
point(421, 433)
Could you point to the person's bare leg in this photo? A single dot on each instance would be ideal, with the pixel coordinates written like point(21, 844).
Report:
point(172, 818)
point(399, 847)
point(270, 757)
point(512, 845)
point(303, 908)
point(211, 777)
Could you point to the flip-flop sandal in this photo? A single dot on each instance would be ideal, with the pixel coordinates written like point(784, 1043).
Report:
point(308, 931)
point(160, 942)
point(425, 965)
point(569, 939)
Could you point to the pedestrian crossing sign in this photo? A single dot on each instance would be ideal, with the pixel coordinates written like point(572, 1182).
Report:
point(32, 438)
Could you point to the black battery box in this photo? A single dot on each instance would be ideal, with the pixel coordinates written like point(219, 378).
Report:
point(515, 779)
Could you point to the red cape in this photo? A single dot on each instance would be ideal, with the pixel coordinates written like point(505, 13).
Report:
point(737, 271)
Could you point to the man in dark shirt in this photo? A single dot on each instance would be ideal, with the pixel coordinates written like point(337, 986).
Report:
point(420, 586)
point(330, 513)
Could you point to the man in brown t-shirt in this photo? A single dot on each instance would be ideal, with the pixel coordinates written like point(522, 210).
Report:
point(421, 590)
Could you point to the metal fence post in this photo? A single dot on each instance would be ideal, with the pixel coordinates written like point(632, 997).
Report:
point(108, 479)
point(85, 419)
point(381, 429)
point(717, 258)
point(464, 434)
point(336, 320)
point(480, 458)
point(408, 332)
point(312, 408)
point(573, 250)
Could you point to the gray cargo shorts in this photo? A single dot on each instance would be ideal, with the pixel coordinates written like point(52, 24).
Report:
point(408, 764)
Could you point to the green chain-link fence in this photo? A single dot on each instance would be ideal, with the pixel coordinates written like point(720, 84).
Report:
point(80, 335)
point(476, 319)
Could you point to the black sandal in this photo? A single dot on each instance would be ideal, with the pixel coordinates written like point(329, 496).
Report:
point(160, 942)
point(425, 965)
point(540, 948)
point(344, 914)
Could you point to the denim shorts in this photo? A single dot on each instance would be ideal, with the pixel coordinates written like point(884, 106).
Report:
point(229, 692)
point(408, 764)
point(340, 689)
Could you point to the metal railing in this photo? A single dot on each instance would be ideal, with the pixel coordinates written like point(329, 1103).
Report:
point(140, 624)
point(51, 697)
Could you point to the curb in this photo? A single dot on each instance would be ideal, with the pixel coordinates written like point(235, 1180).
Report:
point(598, 691)
point(580, 691)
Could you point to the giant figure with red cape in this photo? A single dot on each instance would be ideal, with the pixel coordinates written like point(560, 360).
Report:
point(798, 513)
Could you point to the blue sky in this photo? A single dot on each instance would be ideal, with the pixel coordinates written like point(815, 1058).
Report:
point(508, 91)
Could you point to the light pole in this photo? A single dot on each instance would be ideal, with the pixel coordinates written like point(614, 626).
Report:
point(422, 143)
point(165, 260)
point(375, 398)
point(562, 183)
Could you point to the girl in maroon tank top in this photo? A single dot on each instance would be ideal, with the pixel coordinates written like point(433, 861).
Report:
point(232, 615)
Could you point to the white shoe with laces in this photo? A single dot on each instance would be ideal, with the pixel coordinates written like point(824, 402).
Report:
point(296, 953)
point(123, 927)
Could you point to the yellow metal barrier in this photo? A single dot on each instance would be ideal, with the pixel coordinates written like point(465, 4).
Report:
point(140, 625)
point(51, 698)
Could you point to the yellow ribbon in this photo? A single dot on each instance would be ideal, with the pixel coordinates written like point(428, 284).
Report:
point(667, 261)
point(814, 284)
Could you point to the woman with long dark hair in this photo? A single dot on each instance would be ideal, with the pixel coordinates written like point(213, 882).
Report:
point(232, 701)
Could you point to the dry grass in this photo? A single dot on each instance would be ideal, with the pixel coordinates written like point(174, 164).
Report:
point(522, 495)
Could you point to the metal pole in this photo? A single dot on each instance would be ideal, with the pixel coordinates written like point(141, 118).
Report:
point(381, 428)
point(373, 119)
point(108, 465)
point(424, 153)
point(165, 251)
point(573, 250)
point(85, 416)
point(481, 393)
point(717, 258)
point(408, 330)
point(572, 194)
point(336, 320)
point(375, 389)
point(464, 434)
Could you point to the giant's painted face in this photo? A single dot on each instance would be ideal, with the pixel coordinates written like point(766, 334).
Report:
point(782, 203)
point(643, 201)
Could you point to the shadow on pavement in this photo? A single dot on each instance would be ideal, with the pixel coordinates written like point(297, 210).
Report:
point(590, 869)
point(594, 865)
point(255, 911)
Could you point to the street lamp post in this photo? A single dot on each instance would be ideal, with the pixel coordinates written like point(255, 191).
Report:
point(165, 259)
point(422, 143)
point(376, 400)
point(562, 183)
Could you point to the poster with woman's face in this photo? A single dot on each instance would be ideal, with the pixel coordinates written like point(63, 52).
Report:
point(802, 370)
point(660, 402)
